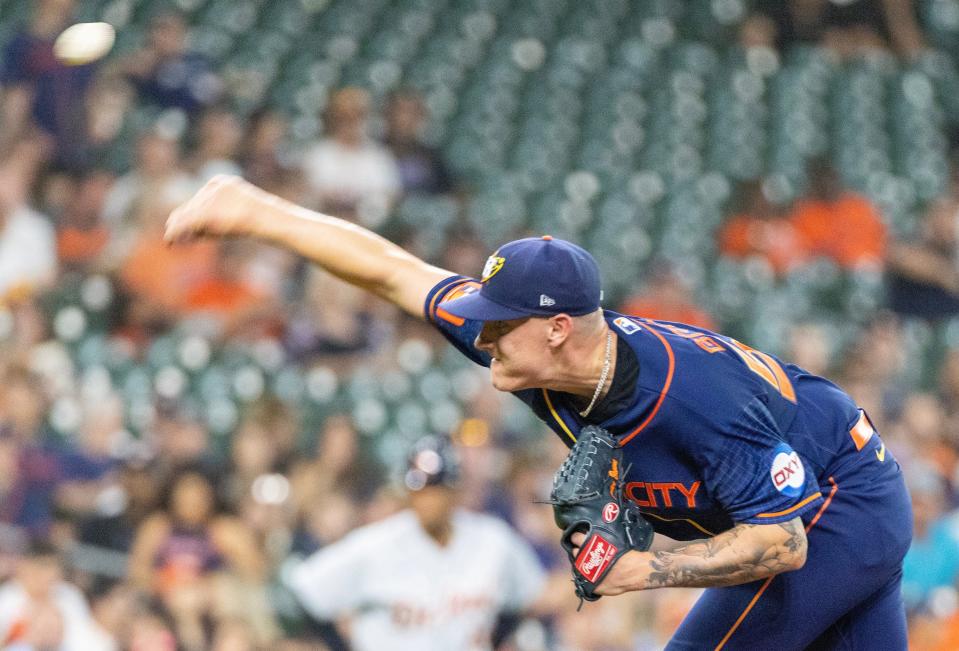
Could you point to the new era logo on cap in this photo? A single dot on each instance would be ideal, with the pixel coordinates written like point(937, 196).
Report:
point(536, 276)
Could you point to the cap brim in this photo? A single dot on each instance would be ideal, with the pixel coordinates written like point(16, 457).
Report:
point(476, 307)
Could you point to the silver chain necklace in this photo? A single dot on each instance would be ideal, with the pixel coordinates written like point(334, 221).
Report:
point(602, 376)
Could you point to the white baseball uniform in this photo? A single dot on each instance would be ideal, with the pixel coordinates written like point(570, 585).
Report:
point(404, 591)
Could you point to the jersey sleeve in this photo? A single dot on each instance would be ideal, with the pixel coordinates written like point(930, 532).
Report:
point(326, 583)
point(459, 332)
point(524, 575)
point(756, 475)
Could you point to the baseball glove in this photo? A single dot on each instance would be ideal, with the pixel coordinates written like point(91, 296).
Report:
point(587, 497)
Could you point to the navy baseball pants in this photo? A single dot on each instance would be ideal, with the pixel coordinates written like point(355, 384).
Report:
point(846, 596)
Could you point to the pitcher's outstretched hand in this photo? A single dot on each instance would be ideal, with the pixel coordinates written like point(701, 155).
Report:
point(225, 205)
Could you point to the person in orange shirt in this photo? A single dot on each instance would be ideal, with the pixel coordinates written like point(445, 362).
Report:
point(838, 223)
point(82, 236)
point(227, 297)
point(159, 277)
point(762, 228)
point(667, 298)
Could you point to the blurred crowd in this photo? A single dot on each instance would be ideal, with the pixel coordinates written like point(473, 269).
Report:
point(168, 539)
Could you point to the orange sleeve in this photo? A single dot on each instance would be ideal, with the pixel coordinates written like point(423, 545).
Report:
point(811, 222)
point(733, 237)
point(862, 234)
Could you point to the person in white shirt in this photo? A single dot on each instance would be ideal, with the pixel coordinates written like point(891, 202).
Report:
point(39, 610)
point(431, 577)
point(348, 172)
point(28, 251)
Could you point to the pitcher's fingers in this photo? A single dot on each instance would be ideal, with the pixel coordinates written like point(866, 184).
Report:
point(179, 227)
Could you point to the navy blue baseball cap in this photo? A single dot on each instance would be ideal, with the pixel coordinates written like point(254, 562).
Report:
point(536, 276)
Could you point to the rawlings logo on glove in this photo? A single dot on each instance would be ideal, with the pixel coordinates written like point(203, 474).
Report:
point(587, 498)
point(595, 557)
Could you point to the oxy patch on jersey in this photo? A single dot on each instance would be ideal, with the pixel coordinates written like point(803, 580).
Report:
point(787, 472)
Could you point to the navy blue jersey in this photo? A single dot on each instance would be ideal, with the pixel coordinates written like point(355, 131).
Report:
point(715, 434)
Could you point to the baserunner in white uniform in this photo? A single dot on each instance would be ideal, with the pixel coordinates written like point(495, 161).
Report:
point(433, 577)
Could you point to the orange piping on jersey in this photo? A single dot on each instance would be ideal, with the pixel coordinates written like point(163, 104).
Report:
point(749, 607)
point(765, 585)
point(662, 393)
point(782, 380)
point(792, 508)
point(444, 292)
point(549, 403)
point(692, 522)
point(446, 316)
point(825, 505)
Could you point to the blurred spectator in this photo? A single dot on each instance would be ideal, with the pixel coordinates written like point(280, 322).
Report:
point(156, 177)
point(810, 347)
point(168, 75)
point(667, 297)
point(333, 318)
point(114, 529)
point(113, 605)
point(252, 455)
point(82, 236)
point(284, 423)
point(194, 558)
point(348, 173)
point(87, 481)
point(933, 560)
point(266, 158)
point(871, 366)
point(791, 23)
point(949, 380)
point(528, 485)
point(759, 30)
point(181, 440)
point(108, 103)
point(838, 223)
point(23, 406)
point(31, 468)
point(924, 274)
point(28, 260)
point(323, 521)
point(336, 466)
point(226, 298)
point(41, 611)
point(39, 90)
point(234, 635)
point(848, 27)
point(150, 631)
point(159, 278)
point(464, 253)
point(219, 134)
point(856, 26)
point(764, 229)
point(421, 168)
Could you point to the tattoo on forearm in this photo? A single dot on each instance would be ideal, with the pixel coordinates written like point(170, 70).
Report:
point(725, 560)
